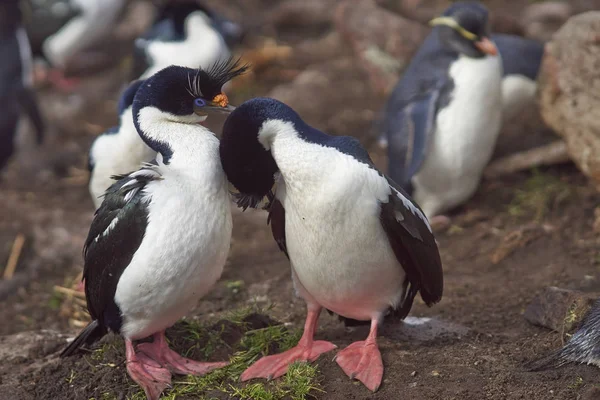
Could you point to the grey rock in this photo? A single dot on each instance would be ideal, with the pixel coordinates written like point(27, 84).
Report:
point(569, 84)
point(559, 309)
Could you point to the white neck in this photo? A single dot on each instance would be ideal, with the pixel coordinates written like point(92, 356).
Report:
point(301, 163)
point(195, 148)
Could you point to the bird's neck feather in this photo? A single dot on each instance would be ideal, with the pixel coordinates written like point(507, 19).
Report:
point(193, 146)
point(301, 163)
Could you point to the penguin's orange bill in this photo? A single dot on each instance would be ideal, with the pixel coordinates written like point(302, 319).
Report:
point(487, 46)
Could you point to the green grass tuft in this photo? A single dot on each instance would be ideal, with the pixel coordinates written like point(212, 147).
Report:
point(299, 383)
point(540, 193)
point(234, 286)
point(577, 384)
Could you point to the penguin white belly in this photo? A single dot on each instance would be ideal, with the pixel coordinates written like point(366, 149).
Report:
point(339, 250)
point(163, 282)
point(465, 136)
point(517, 92)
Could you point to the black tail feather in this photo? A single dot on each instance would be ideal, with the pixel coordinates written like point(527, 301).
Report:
point(88, 336)
point(553, 360)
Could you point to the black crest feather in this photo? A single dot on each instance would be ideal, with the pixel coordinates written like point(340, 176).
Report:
point(208, 83)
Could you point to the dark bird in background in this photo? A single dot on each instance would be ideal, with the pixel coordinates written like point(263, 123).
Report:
point(182, 34)
point(161, 236)
point(357, 244)
point(61, 29)
point(17, 97)
point(583, 347)
point(442, 119)
point(119, 149)
point(521, 61)
point(186, 33)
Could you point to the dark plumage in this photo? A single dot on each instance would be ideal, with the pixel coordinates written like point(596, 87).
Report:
point(16, 93)
point(128, 95)
point(108, 250)
point(520, 56)
point(583, 347)
point(205, 84)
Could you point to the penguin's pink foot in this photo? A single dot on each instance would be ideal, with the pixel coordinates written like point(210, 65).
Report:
point(362, 361)
point(159, 351)
point(271, 367)
point(147, 373)
point(307, 349)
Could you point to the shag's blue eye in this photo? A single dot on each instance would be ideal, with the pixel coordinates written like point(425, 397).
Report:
point(199, 102)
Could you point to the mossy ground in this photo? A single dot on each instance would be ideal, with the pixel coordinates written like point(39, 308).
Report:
point(242, 338)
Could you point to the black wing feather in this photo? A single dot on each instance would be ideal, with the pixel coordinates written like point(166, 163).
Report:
point(277, 220)
point(115, 234)
point(409, 133)
point(415, 248)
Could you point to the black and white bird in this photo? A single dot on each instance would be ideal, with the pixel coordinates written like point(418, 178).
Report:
point(443, 118)
point(357, 244)
point(17, 96)
point(60, 29)
point(118, 150)
point(521, 61)
point(160, 239)
point(186, 33)
point(583, 347)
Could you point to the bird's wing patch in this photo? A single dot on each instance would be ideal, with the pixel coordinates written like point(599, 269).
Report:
point(115, 235)
point(277, 220)
point(409, 133)
point(415, 248)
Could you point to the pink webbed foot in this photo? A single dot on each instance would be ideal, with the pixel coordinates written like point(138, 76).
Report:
point(271, 367)
point(362, 361)
point(147, 373)
point(274, 366)
point(159, 350)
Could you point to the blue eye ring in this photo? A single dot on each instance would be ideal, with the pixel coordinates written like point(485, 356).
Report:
point(199, 102)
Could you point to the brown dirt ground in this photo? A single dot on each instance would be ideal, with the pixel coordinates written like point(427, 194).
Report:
point(44, 196)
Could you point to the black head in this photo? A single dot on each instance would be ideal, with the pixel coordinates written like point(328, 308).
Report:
point(183, 95)
point(249, 166)
point(126, 99)
point(183, 92)
point(177, 11)
point(464, 27)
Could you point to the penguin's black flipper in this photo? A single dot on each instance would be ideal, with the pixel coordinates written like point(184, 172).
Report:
point(28, 102)
point(409, 133)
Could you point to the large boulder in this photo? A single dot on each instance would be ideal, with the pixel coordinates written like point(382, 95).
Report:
point(569, 85)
